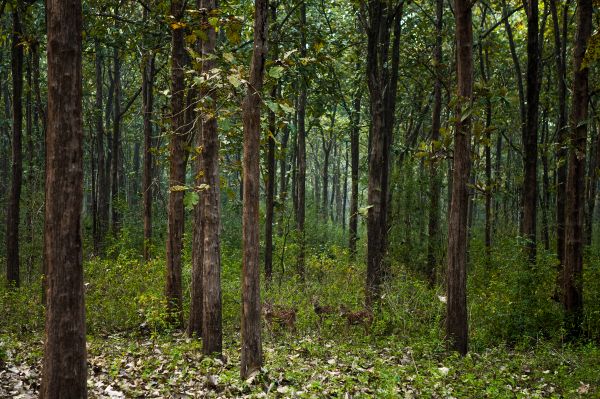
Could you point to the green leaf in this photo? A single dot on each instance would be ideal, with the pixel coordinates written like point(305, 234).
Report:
point(190, 200)
point(276, 72)
point(234, 80)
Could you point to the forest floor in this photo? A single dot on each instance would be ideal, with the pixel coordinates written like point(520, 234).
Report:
point(310, 366)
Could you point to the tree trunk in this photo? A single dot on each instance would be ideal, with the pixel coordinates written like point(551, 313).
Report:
point(212, 335)
point(560, 54)
point(572, 298)
point(301, 154)
point(456, 321)
point(354, 150)
point(12, 217)
point(148, 109)
point(177, 159)
point(531, 131)
point(64, 372)
point(592, 185)
point(270, 203)
point(116, 146)
point(434, 179)
point(251, 357)
point(283, 178)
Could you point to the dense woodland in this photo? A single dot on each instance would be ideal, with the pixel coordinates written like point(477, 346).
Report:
point(302, 198)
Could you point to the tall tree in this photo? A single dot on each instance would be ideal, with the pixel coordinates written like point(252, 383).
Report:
point(64, 368)
point(12, 217)
point(354, 155)
point(251, 358)
point(177, 162)
point(212, 335)
point(382, 76)
point(456, 320)
point(271, 178)
point(572, 284)
point(530, 133)
point(434, 180)
point(148, 109)
point(301, 152)
point(560, 54)
point(103, 178)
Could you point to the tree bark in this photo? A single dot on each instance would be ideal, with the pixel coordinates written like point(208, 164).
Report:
point(116, 146)
point(531, 132)
point(456, 321)
point(434, 179)
point(572, 292)
point(271, 182)
point(560, 54)
point(177, 143)
point(12, 217)
point(148, 109)
point(103, 184)
point(64, 372)
point(301, 154)
point(212, 335)
point(354, 150)
point(251, 356)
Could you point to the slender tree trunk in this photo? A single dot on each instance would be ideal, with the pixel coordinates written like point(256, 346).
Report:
point(456, 320)
point(301, 154)
point(177, 158)
point(327, 143)
point(592, 184)
point(12, 217)
point(345, 189)
point(212, 335)
point(531, 132)
point(116, 146)
point(572, 298)
point(251, 357)
point(271, 182)
point(102, 192)
point(64, 372)
point(545, 183)
point(434, 180)
point(31, 178)
point(283, 178)
point(354, 150)
point(560, 45)
point(148, 109)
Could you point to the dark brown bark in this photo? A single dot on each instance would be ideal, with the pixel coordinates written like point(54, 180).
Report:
point(31, 177)
point(64, 372)
point(545, 183)
point(116, 177)
point(434, 179)
point(148, 109)
point(529, 190)
point(592, 184)
point(572, 284)
point(283, 178)
point(301, 154)
point(212, 335)
point(13, 211)
point(560, 51)
point(485, 75)
point(271, 178)
point(456, 321)
point(251, 356)
point(382, 83)
point(177, 158)
point(354, 151)
point(103, 185)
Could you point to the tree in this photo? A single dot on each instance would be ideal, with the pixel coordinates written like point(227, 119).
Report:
point(12, 217)
point(251, 358)
point(177, 163)
point(148, 109)
point(64, 368)
point(572, 284)
point(354, 155)
point(434, 180)
point(300, 192)
point(382, 78)
point(211, 202)
point(531, 132)
point(456, 320)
